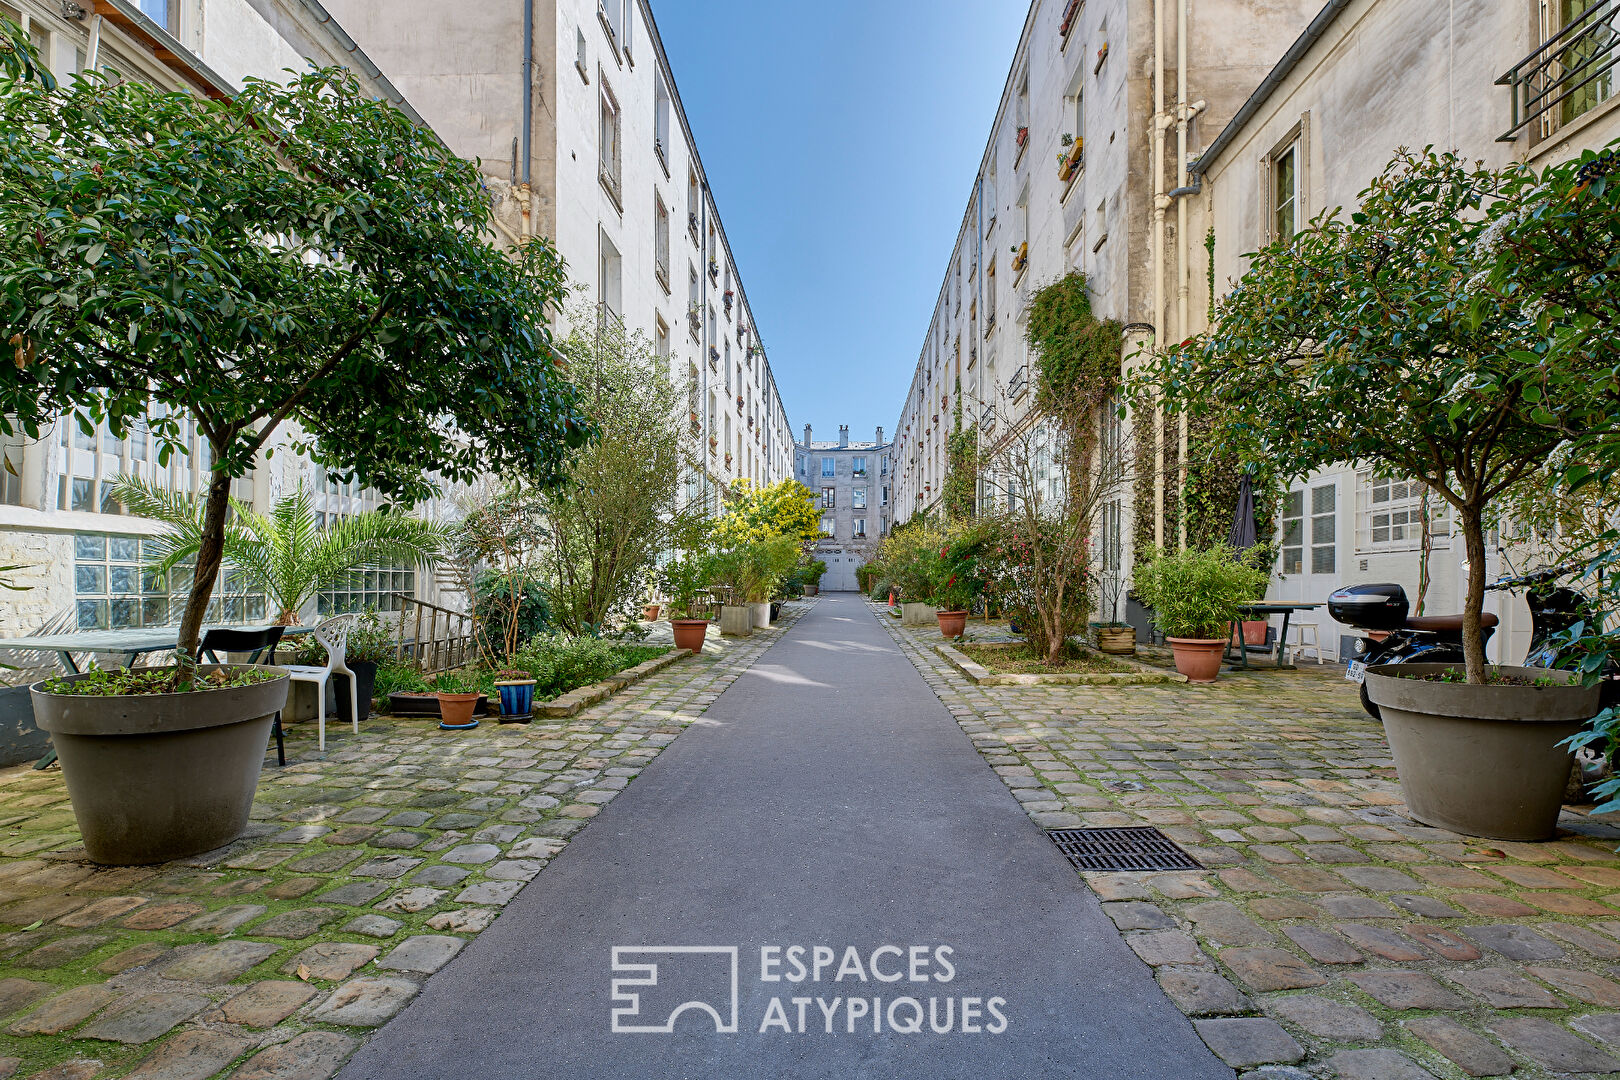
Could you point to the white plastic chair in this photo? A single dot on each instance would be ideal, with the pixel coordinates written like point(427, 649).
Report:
point(333, 635)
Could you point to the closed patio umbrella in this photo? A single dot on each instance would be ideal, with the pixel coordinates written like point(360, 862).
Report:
point(1244, 535)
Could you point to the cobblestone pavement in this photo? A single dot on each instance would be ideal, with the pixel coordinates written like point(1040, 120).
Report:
point(365, 870)
point(1331, 935)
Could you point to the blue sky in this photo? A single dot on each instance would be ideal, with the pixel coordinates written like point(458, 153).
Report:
point(840, 139)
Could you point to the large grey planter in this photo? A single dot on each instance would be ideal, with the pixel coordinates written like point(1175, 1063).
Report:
point(1482, 760)
point(918, 615)
point(762, 614)
point(160, 776)
point(736, 620)
point(21, 740)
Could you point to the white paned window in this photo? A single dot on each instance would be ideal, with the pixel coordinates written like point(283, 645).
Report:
point(1392, 514)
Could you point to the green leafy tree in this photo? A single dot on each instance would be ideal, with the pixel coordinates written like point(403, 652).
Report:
point(616, 509)
point(283, 554)
point(1373, 336)
point(785, 508)
point(299, 255)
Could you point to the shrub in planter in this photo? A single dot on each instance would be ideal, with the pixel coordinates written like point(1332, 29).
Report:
point(1195, 596)
point(516, 689)
point(158, 768)
point(682, 579)
point(957, 577)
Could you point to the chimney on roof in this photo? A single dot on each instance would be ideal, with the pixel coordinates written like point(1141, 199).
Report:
point(880, 437)
point(807, 434)
point(843, 434)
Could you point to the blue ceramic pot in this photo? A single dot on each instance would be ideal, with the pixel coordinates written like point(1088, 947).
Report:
point(517, 699)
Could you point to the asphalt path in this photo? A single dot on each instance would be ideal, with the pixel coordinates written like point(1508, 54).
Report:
point(891, 909)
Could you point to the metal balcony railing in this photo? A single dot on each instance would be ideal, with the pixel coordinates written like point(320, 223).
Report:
point(1018, 383)
point(1566, 75)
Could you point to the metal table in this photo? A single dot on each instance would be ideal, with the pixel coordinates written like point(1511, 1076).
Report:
point(132, 643)
point(1263, 609)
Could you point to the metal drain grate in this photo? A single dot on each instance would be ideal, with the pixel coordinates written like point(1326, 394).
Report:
point(1135, 848)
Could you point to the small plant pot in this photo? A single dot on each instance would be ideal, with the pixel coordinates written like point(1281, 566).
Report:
point(776, 610)
point(154, 777)
point(650, 613)
point(517, 700)
point(952, 623)
point(1481, 760)
point(1116, 640)
point(736, 620)
point(456, 710)
point(1198, 658)
point(689, 633)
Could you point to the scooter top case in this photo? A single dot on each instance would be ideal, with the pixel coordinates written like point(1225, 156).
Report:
point(1370, 607)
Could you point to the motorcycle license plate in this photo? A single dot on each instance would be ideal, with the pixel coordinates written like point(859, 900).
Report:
point(1357, 672)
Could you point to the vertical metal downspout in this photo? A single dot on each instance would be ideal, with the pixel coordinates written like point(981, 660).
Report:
point(703, 334)
point(528, 117)
point(1182, 120)
point(1157, 256)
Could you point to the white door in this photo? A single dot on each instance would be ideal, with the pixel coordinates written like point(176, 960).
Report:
point(1308, 566)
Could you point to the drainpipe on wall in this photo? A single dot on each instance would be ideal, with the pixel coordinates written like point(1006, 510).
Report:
point(92, 50)
point(1181, 261)
point(703, 332)
point(1157, 257)
point(525, 188)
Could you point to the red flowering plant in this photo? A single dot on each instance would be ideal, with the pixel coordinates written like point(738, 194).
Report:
point(957, 571)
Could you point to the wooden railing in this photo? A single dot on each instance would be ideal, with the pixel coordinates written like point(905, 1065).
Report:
point(439, 637)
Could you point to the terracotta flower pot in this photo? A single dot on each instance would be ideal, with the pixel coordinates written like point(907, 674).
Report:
point(456, 710)
point(1482, 760)
point(650, 613)
point(952, 623)
point(1198, 658)
point(689, 633)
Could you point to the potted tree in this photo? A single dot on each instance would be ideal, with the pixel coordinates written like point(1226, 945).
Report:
point(683, 579)
point(955, 581)
point(458, 693)
point(813, 572)
point(1195, 596)
point(1444, 333)
point(1113, 636)
point(733, 574)
point(415, 350)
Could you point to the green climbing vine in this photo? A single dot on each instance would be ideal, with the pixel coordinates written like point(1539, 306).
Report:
point(1078, 354)
point(961, 494)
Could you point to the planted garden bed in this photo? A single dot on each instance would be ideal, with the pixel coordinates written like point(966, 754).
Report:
point(1014, 664)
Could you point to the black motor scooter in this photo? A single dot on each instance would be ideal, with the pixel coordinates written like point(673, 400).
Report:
point(1437, 639)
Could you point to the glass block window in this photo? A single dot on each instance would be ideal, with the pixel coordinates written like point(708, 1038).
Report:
point(113, 590)
point(368, 589)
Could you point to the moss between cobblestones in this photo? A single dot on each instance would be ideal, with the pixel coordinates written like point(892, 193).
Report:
point(392, 766)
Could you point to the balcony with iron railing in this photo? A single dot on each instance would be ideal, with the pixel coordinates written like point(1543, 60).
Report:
point(1568, 75)
point(1019, 382)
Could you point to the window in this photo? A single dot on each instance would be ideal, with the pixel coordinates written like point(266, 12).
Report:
point(612, 15)
point(857, 499)
point(11, 467)
point(858, 466)
point(1323, 530)
point(829, 527)
point(1285, 192)
point(609, 280)
point(990, 297)
point(159, 12)
point(113, 591)
point(692, 205)
point(798, 463)
point(859, 530)
point(826, 466)
point(885, 495)
point(581, 62)
point(884, 465)
point(1393, 512)
point(608, 156)
point(661, 336)
point(661, 109)
point(829, 498)
point(661, 242)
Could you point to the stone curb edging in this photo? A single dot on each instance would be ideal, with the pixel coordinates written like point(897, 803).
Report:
point(583, 697)
point(1145, 675)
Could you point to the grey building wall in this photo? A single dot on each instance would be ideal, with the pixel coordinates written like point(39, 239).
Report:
point(853, 483)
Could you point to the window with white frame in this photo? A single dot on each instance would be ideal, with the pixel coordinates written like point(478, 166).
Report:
point(661, 241)
point(1392, 513)
point(581, 60)
point(1310, 524)
point(661, 111)
point(827, 466)
point(610, 279)
point(609, 157)
point(829, 526)
point(859, 532)
point(857, 498)
point(857, 466)
point(829, 498)
point(611, 13)
point(1285, 191)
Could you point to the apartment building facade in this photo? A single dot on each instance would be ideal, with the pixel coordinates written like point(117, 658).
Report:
point(853, 486)
point(572, 110)
point(1497, 80)
point(80, 556)
point(1084, 170)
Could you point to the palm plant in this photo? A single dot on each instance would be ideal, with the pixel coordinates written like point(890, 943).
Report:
point(284, 553)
